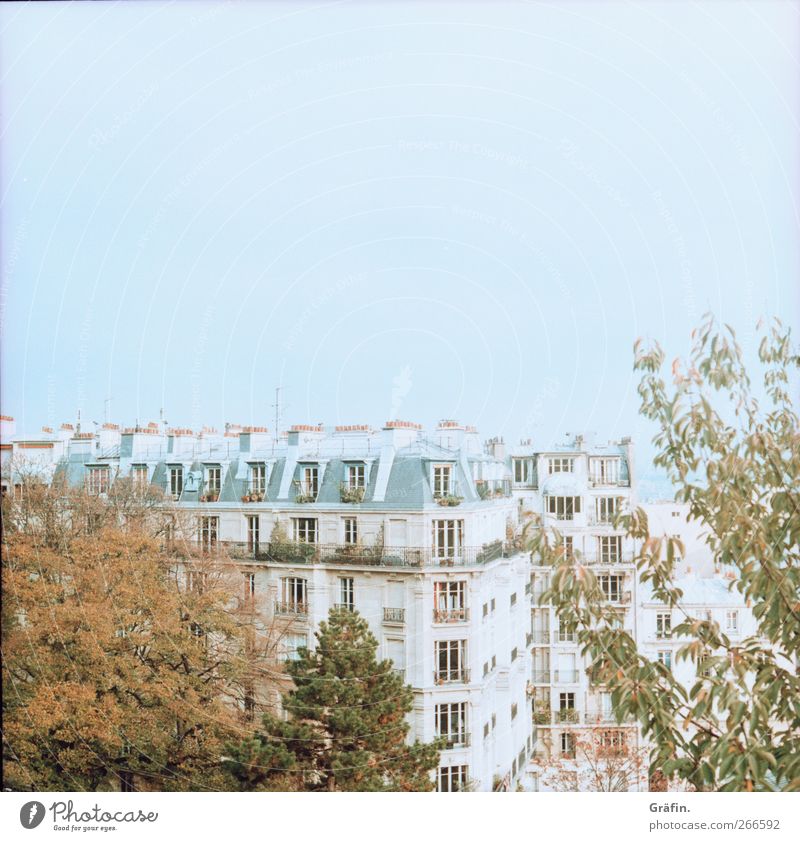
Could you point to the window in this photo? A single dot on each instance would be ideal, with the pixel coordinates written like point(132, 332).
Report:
point(514, 711)
point(451, 723)
point(291, 645)
point(355, 476)
point(249, 586)
point(605, 471)
point(310, 481)
point(663, 624)
point(485, 609)
point(566, 700)
point(97, 480)
point(607, 507)
point(732, 621)
point(512, 600)
point(294, 596)
point(213, 479)
point(568, 745)
point(350, 531)
point(453, 778)
point(569, 550)
point(676, 513)
point(441, 480)
point(449, 601)
point(610, 549)
point(448, 538)
point(258, 478)
point(611, 585)
point(492, 605)
point(139, 475)
point(665, 658)
point(611, 741)
point(346, 593)
point(209, 532)
point(514, 654)
point(523, 471)
point(450, 659)
point(305, 529)
point(563, 635)
point(564, 507)
point(176, 481)
point(561, 465)
point(253, 532)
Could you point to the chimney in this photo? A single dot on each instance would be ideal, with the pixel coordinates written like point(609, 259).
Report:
point(496, 447)
point(8, 427)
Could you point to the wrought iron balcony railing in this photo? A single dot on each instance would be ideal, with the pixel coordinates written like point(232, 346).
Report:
point(541, 637)
point(395, 615)
point(453, 614)
point(539, 676)
point(291, 608)
point(451, 676)
point(299, 552)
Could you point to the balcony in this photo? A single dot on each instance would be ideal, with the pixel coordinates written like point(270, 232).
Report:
point(455, 614)
point(565, 676)
point(299, 552)
point(344, 606)
point(441, 678)
point(663, 635)
point(542, 717)
point(566, 717)
point(291, 609)
point(607, 717)
point(538, 676)
point(394, 615)
point(493, 488)
point(351, 494)
point(608, 482)
point(456, 740)
point(564, 636)
point(401, 673)
point(541, 637)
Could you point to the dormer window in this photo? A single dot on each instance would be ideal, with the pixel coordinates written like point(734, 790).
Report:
point(213, 479)
point(605, 471)
point(523, 471)
point(139, 475)
point(442, 480)
point(258, 478)
point(355, 476)
point(309, 480)
point(98, 480)
point(561, 465)
point(176, 482)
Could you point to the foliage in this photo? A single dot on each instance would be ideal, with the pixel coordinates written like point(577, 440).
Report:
point(736, 726)
point(118, 674)
point(605, 760)
point(347, 723)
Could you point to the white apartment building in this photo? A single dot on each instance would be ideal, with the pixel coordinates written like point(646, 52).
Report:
point(577, 489)
point(408, 528)
point(416, 531)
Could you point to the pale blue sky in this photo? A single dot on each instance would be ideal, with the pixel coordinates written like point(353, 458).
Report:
point(464, 210)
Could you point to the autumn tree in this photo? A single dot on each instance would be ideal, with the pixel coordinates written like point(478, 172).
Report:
point(732, 452)
point(346, 727)
point(600, 758)
point(121, 668)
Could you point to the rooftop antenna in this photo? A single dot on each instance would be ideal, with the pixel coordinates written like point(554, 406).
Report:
point(78, 428)
point(106, 409)
point(277, 406)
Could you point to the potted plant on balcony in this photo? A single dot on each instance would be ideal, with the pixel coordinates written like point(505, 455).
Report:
point(449, 500)
point(212, 496)
point(482, 488)
point(349, 494)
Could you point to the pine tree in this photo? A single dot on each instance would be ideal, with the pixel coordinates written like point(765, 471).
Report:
point(346, 727)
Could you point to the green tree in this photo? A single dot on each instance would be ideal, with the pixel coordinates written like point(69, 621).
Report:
point(347, 726)
point(734, 457)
